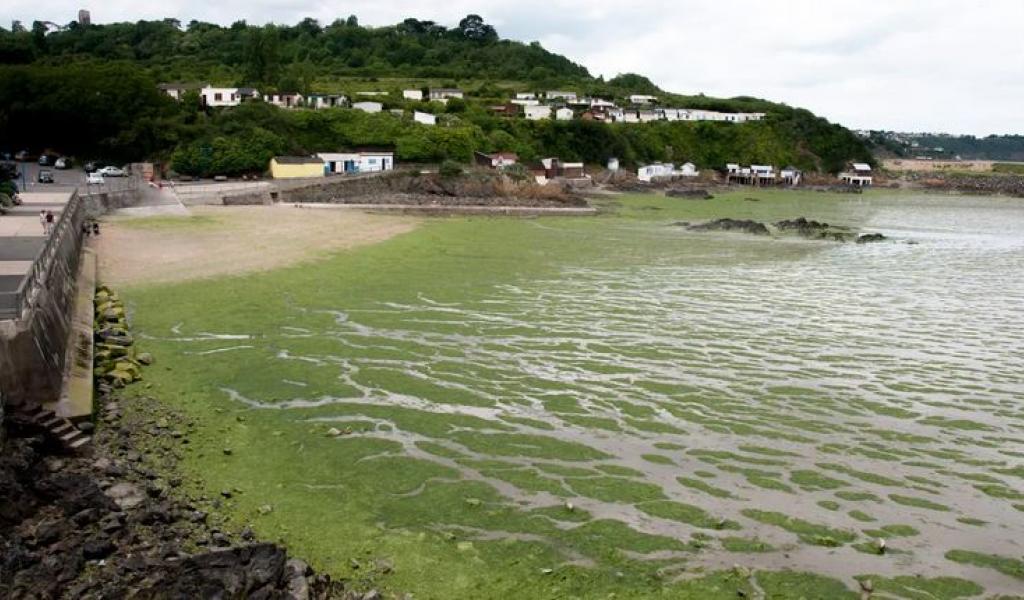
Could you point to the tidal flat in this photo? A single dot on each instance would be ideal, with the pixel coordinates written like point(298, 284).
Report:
point(580, 407)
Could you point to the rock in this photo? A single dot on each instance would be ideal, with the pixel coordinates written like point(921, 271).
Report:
point(145, 358)
point(266, 509)
point(198, 517)
point(746, 226)
point(225, 493)
point(219, 539)
point(100, 547)
point(125, 495)
point(248, 534)
point(868, 238)
point(867, 585)
point(86, 427)
point(228, 452)
point(372, 595)
point(693, 194)
point(333, 432)
point(384, 565)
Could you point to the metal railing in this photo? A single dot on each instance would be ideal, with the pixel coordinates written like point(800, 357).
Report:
point(63, 243)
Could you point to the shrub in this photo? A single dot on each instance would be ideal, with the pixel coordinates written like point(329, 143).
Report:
point(450, 168)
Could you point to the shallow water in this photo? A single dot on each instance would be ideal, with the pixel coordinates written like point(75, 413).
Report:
point(775, 372)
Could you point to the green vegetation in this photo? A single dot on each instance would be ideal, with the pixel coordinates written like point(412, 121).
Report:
point(91, 91)
point(890, 531)
point(811, 533)
point(1008, 566)
point(918, 502)
point(922, 588)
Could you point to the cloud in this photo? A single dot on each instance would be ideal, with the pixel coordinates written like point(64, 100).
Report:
point(921, 65)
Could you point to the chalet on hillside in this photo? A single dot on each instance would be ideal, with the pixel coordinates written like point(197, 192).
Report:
point(496, 160)
point(857, 175)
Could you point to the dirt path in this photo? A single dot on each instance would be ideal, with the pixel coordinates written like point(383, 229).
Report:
point(230, 240)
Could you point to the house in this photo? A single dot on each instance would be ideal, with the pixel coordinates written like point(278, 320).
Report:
point(370, 107)
point(497, 160)
point(601, 103)
point(506, 110)
point(857, 175)
point(688, 170)
point(752, 175)
point(630, 116)
point(291, 167)
point(579, 102)
point(445, 93)
point(246, 93)
point(525, 101)
point(525, 96)
point(358, 161)
point(319, 101)
point(791, 175)
point(647, 116)
point(424, 118)
point(564, 114)
point(655, 171)
point(642, 99)
point(284, 100)
point(537, 113)
point(225, 96)
point(560, 95)
point(177, 90)
point(613, 164)
point(573, 170)
point(413, 95)
point(371, 94)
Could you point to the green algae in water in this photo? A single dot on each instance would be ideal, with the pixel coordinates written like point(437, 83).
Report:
point(705, 487)
point(811, 533)
point(918, 502)
point(923, 588)
point(1008, 566)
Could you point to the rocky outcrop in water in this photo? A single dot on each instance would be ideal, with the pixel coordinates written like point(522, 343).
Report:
point(741, 225)
point(812, 229)
point(868, 238)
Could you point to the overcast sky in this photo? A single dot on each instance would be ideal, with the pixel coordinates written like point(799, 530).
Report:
point(912, 65)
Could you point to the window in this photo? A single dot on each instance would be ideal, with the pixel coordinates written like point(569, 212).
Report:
point(218, 96)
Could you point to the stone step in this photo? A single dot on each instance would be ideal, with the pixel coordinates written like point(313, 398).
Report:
point(52, 422)
point(79, 443)
point(63, 428)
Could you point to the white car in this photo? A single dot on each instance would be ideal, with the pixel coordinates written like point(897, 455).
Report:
point(111, 172)
point(94, 177)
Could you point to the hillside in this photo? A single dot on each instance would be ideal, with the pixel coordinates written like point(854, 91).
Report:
point(91, 91)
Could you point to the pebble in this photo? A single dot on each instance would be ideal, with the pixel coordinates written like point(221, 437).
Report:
point(228, 452)
point(248, 534)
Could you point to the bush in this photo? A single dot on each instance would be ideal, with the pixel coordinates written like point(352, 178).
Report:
point(449, 169)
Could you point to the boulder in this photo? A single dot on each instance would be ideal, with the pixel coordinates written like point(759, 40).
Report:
point(743, 225)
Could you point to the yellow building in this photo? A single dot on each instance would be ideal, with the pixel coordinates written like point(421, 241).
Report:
point(291, 167)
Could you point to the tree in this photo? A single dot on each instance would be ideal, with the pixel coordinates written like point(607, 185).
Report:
point(472, 27)
point(262, 56)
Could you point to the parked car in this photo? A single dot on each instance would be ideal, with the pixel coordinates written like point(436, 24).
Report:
point(111, 171)
point(46, 160)
point(45, 176)
point(22, 155)
point(89, 167)
point(63, 163)
point(94, 178)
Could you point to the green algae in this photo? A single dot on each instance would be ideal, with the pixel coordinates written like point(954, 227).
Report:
point(918, 502)
point(1008, 566)
point(811, 533)
point(705, 487)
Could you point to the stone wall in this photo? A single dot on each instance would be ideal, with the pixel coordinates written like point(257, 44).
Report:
point(33, 347)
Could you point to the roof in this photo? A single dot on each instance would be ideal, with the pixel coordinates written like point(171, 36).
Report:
point(298, 160)
point(179, 86)
point(445, 90)
point(861, 167)
point(247, 90)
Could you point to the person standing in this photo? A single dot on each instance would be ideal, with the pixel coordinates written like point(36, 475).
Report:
point(42, 220)
point(49, 223)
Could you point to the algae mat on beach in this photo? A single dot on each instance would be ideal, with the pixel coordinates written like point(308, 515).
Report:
point(582, 407)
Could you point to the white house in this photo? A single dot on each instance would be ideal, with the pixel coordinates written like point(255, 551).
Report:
point(360, 161)
point(613, 164)
point(642, 99)
point(371, 94)
point(858, 175)
point(445, 93)
point(791, 175)
point(412, 94)
point(649, 172)
point(226, 96)
point(525, 101)
point(688, 170)
point(525, 96)
point(496, 160)
point(560, 95)
point(537, 113)
point(631, 116)
point(319, 101)
point(564, 114)
point(370, 107)
point(284, 100)
point(646, 116)
point(424, 118)
point(601, 103)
